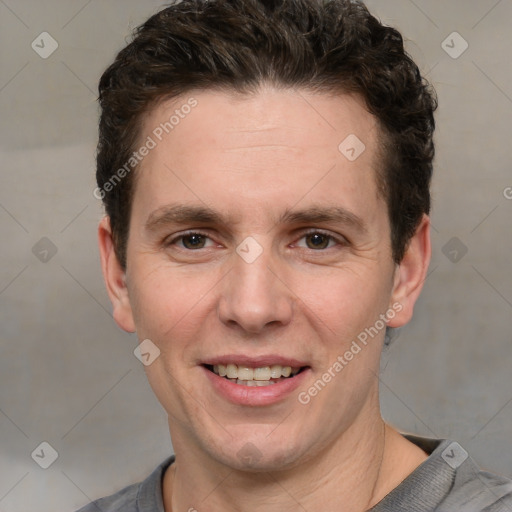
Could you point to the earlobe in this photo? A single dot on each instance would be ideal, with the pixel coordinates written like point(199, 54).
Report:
point(411, 274)
point(115, 278)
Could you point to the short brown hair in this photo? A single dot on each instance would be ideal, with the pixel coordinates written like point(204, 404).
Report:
point(331, 46)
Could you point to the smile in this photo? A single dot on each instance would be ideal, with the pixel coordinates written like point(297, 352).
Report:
point(246, 376)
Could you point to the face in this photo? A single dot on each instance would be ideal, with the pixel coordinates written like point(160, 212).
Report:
point(258, 248)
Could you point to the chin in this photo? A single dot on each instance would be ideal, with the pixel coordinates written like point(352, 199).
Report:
point(259, 455)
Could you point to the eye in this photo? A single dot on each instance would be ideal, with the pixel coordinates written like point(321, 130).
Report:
point(190, 241)
point(318, 240)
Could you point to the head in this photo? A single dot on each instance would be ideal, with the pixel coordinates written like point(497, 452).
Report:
point(244, 108)
point(333, 47)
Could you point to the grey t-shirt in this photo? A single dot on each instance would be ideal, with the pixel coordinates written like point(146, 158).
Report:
point(448, 481)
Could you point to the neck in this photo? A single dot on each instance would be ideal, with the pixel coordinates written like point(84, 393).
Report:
point(352, 475)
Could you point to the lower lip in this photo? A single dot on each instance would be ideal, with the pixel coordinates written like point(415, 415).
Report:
point(255, 395)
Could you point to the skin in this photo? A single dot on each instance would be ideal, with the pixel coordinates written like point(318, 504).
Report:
point(250, 158)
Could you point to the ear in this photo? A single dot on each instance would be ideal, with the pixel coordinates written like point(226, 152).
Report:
point(115, 278)
point(410, 274)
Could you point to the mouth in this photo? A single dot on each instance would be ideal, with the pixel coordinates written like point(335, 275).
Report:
point(260, 376)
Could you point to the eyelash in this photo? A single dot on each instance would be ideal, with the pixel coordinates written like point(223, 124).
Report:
point(341, 241)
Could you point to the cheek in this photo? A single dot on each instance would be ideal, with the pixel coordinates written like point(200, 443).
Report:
point(164, 298)
point(343, 302)
point(169, 308)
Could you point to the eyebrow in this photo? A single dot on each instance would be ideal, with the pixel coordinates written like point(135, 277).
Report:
point(323, 214)
point(184, 214)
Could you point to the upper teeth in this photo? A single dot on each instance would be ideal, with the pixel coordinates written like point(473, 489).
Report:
point(242, 372)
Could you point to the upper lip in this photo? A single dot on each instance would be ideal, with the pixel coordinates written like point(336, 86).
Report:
point(255, 362)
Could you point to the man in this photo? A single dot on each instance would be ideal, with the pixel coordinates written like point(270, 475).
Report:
point(265, 169)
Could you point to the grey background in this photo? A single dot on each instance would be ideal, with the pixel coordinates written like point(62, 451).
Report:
point(68, 375)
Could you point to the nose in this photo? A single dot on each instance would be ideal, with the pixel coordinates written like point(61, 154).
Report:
point(254, 296)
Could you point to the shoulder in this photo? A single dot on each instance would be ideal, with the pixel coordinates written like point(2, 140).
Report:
point(471, 489)
point(125, 500)
point(475, 490)
point(449, 480)
point(143, 496)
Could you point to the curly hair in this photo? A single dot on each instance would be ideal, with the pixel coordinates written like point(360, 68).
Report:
point(331, 46)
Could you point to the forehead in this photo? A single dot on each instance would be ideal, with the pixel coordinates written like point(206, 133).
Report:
point(288, 115)
point(261, 150)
